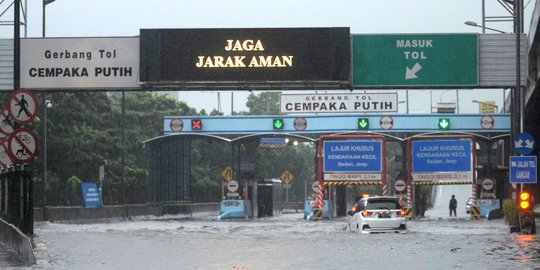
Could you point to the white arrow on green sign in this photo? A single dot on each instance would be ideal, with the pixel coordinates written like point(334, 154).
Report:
point(411, 60)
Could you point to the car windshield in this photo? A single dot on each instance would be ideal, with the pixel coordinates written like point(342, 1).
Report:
point(382, 204)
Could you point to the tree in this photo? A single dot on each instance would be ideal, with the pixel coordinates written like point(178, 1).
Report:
point(266, 103)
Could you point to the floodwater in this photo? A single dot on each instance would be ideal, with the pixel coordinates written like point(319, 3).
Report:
point(286, 242)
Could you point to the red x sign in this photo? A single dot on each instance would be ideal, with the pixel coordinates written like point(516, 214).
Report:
point(196, 124)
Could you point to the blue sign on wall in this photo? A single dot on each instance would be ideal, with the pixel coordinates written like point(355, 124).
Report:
point(352, 156)
point(523, 170)
point(441, 156)
point(91, 195)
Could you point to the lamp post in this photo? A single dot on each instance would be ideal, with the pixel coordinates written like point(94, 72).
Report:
point(487, 104)
point(474, 24)
point(46, 105)
point(45, 3)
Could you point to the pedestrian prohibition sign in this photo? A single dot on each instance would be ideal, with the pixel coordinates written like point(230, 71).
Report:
point(22, 145)
point(22, 106)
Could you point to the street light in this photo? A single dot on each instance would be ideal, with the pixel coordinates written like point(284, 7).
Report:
point(471, 23)
point(45, 3)
point(46, 106)
point(487, 104)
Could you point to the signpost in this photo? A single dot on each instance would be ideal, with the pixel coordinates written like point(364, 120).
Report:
point(22, 106)
point(523, 170)
point(287, 177)
point(6, 124)
point(227, 173)
point(22, 145)
point(339, 103)
point(386, 122)
point(91, 195)
point(382, 61)
point(524, 143)
point(400, 185)
point(487, 122)
point(353, 160)
point(442, 160)
point(5, 160)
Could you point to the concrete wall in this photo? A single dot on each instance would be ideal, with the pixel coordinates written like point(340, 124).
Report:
point(78, 214)
point(14, 238)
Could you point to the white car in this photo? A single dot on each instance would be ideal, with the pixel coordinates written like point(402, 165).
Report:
point(378, 214)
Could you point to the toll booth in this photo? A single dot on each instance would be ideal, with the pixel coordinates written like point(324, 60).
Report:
point(248, 199)
point(268, 198)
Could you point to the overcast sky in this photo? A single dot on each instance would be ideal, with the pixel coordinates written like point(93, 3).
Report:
point(85, 18)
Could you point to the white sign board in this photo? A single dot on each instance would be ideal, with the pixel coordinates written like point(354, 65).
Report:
point(80, 63)
point(339, 103)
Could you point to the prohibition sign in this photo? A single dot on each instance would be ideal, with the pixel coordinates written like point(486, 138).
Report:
point(22, 106)
point(232, 186)
point(400, 185)
point(5, 160)
point(6, 125)
point(176, 125)
point(300, 123)
point(487, 122)
point(22, 145)
point(386, 122)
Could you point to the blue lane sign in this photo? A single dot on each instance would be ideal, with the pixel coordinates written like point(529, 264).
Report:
point(440, 160)
point(523, 170)
point(352, 156)
point(524, 143)
point(441, 156)
point(91, 195)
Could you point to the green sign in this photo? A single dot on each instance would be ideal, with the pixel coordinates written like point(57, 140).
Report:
point(444, 123)
point(363, 123)
point(277, 123)
point(421, 60)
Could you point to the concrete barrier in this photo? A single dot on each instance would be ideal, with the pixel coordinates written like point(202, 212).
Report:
point(18, 241)
point(114, 213)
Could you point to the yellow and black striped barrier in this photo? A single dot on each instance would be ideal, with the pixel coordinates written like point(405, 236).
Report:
point(408, 213)
point(475, 212)
point(346, 183)
point(317, 213)
point(431, 183)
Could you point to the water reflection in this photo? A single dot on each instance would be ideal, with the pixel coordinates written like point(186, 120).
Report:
point(528, 249)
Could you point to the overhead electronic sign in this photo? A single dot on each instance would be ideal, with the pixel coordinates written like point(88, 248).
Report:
point(265, 55)
point(277, 123)
point(363, 123)
point(196, 124)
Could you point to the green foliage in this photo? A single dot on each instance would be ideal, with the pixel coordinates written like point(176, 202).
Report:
point(510, 212)
point(85, 130)
point(266, 103)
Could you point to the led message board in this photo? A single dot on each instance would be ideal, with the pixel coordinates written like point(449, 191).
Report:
point(252, 55)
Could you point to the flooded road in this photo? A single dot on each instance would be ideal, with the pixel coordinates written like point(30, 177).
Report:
point(286, 242)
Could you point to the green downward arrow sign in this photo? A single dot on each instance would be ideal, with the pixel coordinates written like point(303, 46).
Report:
point(444, 123)
point(278, 124)
point(363, 123)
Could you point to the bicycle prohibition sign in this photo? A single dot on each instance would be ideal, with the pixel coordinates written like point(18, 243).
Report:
point(22, 145)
